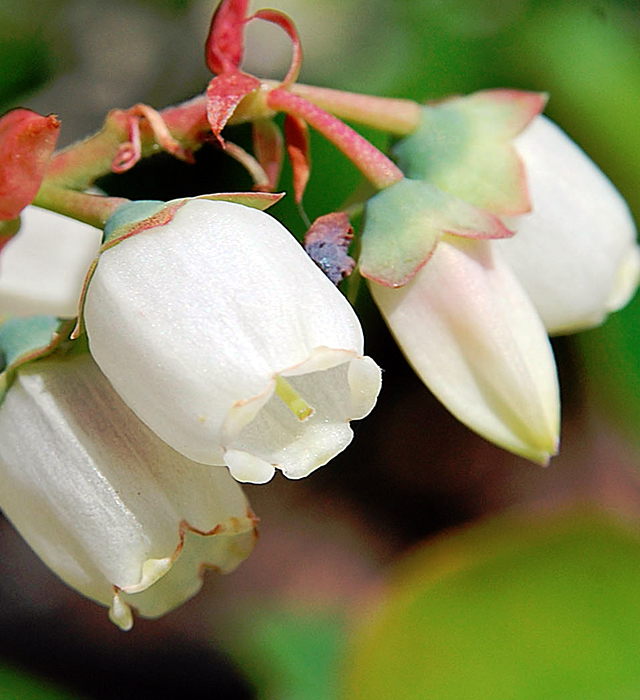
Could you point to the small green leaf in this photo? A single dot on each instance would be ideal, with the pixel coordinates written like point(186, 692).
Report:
point(514, 608)
point(404, 222)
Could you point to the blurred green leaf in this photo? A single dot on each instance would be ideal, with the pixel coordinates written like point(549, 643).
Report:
point(17, 685)
point(611, 357)
point(522, 609)
point(588, 58)
point(291, 653)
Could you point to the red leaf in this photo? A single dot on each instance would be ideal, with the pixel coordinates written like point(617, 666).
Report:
point(224, 46)
point(327, 243)
point(285, 22)
point(267, 145)
point(224, 94)
point(27, 140)
point(296, 136)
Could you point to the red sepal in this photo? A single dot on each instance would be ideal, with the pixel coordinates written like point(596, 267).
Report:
point(224, 94)
point(225, 42)
point(285, 22)
point(268, 147)
point(27, 140)
point(296, 135)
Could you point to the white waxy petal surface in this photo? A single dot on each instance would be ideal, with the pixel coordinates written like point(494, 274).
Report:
point(193, 321)
point(43, 267)
point(575, 254)
point(103, 501)
point(474, 338)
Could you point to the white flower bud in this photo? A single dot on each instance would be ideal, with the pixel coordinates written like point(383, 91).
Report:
point(474, 338)
point(575, 253)
point(113, 510)
point(229, 342)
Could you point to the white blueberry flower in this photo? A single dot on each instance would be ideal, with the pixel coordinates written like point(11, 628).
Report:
point(229, 342)
point(106, 504)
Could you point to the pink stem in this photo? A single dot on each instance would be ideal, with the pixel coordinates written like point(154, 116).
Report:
point(399, 117)
point(78, 166)
point(371, 162)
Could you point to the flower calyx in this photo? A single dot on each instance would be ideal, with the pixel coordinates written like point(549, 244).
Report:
point(464, 146)
point(28, 339)
point(405, 222)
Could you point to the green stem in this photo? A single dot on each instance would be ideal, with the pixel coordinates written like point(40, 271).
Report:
point(371, 162)
point(397, 116)
point(90, 208)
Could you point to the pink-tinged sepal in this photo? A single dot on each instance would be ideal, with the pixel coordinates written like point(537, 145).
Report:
point(285, 22)
point(224, 94)
point(225, 43)
point(27, 140)
point(296, 135)
point(269, 149)
point(464, 146)
point(327, 244)
point(404, 224)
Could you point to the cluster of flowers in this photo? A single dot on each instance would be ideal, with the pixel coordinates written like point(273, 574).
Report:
point(197, 345)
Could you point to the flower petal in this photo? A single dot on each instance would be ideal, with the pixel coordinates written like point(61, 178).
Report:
point(474, 338)
point(575, 253)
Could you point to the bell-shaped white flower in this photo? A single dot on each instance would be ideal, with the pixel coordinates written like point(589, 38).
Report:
point(474, 338)
point(43, 267)
point(229, 342)
point(575, 253)
point(112, 509)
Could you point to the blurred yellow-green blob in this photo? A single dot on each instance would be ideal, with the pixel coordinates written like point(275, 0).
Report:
point(526, 609)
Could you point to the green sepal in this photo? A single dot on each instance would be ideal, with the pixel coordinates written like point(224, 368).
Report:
point(130, 214)
point(464, 147)
point(404, 222)
point(28, 339)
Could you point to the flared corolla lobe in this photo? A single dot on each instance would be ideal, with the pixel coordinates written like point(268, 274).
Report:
point(228, 341)
point(576, 253)
point(107, 505)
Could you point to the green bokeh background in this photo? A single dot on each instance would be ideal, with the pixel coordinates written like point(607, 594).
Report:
point(572, 623)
